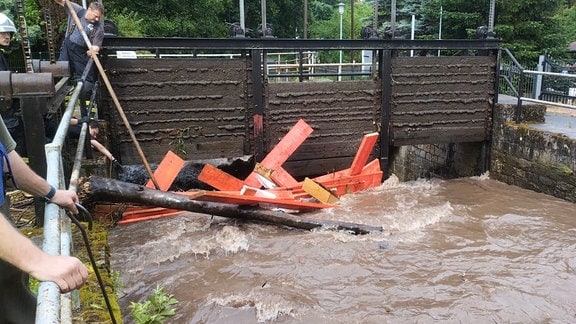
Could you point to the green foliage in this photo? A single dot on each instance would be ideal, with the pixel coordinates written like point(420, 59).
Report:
point(156, 309)
point(179, 144)
point(528, 28)
point(172, 18)
point(129, 23)
point(330, 28)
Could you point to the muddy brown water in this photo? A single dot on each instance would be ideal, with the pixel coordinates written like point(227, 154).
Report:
point(470, 250)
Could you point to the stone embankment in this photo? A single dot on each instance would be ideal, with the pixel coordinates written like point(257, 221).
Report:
point(538, 154)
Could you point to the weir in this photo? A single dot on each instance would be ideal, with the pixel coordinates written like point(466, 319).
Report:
point(440, 113)
point(208, 106)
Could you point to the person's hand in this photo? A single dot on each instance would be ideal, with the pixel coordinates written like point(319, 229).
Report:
point(67, 272)
point(94, 50)
point(116, 164)
point(66, 199)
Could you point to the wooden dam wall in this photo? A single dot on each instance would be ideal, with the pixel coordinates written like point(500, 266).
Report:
point(209, 108)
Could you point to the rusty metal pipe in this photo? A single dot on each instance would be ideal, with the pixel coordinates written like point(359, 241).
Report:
point(112, 93)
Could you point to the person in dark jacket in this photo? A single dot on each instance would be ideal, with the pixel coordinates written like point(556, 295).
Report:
point(75, 128)
point(74, 48)
point(10, 110)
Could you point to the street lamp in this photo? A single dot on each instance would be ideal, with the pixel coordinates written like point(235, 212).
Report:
point(341, 12)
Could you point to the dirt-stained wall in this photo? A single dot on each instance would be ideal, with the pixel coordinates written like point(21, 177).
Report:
point(444, 99)
point(204, 109)
point(340, 113)
point(197, 108)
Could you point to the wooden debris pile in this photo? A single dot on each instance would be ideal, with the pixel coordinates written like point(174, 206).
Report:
point(269, 186)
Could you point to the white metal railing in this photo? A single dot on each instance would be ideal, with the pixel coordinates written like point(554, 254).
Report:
point(52, 306)
point(527, 84)
point(538, 90)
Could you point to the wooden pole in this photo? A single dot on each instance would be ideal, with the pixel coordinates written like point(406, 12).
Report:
point(98, 189)
point(112, 93)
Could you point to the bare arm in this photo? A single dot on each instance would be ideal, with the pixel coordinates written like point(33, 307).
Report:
point(32, 183)
point(67, 272)
point(60, 2)
point(102, 149)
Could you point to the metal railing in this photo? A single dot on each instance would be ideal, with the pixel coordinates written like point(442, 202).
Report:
point(527, 85)
point(52, 306)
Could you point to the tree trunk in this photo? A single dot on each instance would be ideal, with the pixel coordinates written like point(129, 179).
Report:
point(98, 189)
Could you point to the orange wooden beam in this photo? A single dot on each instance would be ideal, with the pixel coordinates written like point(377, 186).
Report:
point(280, 154)
point(363, 153)
point(372, 167)
point(145, 213)
point(219, 179)
point(236, 198)
point(166, 171)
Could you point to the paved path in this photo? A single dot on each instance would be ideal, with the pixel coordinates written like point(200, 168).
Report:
point(559, 120)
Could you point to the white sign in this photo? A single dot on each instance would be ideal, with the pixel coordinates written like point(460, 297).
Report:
point(126, 55)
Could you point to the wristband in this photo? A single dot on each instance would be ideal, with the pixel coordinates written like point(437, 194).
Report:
point(50, 194)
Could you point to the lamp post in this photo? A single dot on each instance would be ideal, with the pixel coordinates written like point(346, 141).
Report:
point(341, 12)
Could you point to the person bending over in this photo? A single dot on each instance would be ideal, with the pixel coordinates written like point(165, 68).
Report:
point(75, 128)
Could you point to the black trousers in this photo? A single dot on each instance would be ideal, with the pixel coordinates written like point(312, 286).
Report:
point(77, 60)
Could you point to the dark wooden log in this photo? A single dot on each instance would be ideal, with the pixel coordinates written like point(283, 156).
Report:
point(98, 189)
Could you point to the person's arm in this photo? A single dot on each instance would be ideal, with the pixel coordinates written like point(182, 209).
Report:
point(67, 272)
point(94, 50)
point(97, 39)
point(30, 182)
point(102, 149)
point(60, 2)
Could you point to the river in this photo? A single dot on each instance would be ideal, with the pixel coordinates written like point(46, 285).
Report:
point(469, 250)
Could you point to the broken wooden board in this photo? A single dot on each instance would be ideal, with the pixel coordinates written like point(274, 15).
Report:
point(165, 174)
point(363, 153)
point(219, 179)
point(345, 185)
point(280, 154)
point(372, 167)
point(236, 198)
point(318, 191)
point(166, 171)
point(137, 214)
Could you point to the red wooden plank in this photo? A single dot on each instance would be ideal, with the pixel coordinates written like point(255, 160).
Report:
point(219, 179)
point(236, 198)
point(363, 153)
point(145, 213)
point(277, 194)
point(281, 152)
point(283, 178)
point(372, 167)
point(166, 171)
point(331, 176)
point(347, 185)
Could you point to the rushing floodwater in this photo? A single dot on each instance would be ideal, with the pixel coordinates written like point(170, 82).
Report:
point(460, 251)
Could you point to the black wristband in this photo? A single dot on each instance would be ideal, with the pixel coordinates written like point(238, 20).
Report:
point(50, 193)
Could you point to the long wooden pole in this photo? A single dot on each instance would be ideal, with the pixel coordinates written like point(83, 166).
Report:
point(96, 189)
point(112, 93)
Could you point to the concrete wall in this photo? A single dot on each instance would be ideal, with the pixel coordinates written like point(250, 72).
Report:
point(526, 157)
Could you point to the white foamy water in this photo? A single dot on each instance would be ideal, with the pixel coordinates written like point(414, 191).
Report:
point(469, 250)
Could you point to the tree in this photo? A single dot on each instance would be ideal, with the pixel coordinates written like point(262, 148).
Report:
point(174, 18)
